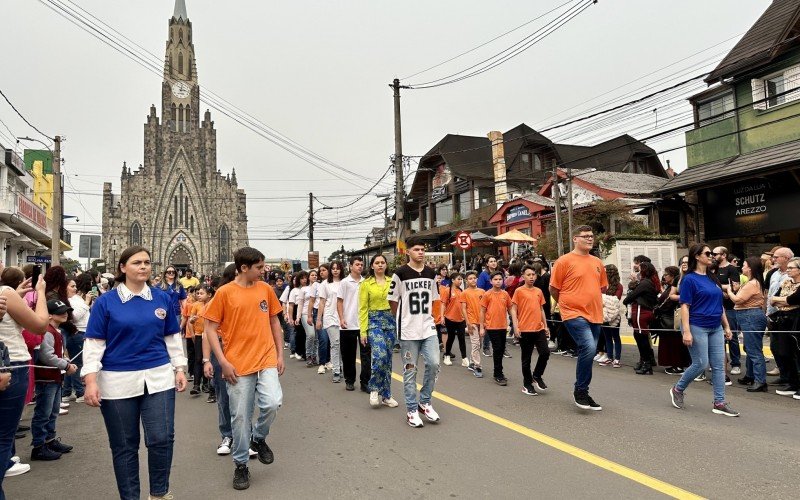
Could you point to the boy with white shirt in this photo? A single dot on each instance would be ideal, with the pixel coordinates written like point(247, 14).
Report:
point(347, 304)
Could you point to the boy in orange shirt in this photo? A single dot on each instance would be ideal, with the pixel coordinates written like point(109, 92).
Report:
point(530, 328)
point(495, 305)
point(188, 334)
point(246, 312)
point(454, 320)
point(471, 309)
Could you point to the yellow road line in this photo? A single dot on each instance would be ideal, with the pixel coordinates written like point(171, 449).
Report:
point(596, 460)
point(629, 340)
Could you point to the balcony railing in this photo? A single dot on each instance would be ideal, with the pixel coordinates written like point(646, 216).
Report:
point(66, 236)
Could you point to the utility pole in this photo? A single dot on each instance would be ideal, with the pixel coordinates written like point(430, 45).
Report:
point(569, 205)
point(557, 202)
point(58, 219)
point(386, 219)
point(399, 205)
point(310, 222)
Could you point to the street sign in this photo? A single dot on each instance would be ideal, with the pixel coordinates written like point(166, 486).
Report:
point(89, 247)
point(463, 240)
point(39, 259)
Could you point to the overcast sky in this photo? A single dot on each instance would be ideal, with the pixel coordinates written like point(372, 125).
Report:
point(317, 71)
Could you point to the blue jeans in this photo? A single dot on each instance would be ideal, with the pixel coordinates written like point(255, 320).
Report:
point(48, 404)
point(157, 415)
point(410, 351)
point(734, 350)
point(12, 402)
point(585, 335)
point(292, 337)
point(613, 341)
point(263, 389)
point(324, 343)
point(73, 382)
point(708, 347)
point(311, 337)
point(753, 322)
point(221, 389)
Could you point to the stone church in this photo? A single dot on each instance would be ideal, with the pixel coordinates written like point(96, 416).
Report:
point(177, 204)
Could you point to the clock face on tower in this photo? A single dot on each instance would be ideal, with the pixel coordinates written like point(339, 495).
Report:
point(180, 90)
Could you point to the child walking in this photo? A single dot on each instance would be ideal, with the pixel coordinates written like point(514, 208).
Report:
point(528, 317)
point(495, 305)
point(454, 320)
point(202, 296)
point(471, 309)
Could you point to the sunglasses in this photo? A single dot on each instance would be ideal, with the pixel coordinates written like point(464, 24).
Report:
point(170, 272)
point(707, 254)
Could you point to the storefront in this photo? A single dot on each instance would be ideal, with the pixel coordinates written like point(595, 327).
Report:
point(522, 214)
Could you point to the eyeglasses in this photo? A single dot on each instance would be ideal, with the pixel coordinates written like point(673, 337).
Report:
point(586, 236)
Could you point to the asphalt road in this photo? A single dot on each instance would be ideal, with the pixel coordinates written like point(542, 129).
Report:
point(492, 442)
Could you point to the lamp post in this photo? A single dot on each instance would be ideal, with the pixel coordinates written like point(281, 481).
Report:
point(55, 234)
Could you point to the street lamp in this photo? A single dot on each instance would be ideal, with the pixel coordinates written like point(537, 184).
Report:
point(58, 202)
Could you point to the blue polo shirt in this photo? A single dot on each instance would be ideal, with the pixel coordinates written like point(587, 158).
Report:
point(134, 331)
point(704, 298)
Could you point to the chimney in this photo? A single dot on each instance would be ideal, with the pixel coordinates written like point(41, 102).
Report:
point(670, 172)
point(499, 168)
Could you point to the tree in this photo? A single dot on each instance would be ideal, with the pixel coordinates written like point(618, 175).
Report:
point(71, 266)
point(99, 265)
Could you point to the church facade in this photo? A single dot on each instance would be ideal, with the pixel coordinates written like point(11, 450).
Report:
point(177, 204)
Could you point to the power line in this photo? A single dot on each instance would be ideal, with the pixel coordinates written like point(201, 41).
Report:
point(31, 125)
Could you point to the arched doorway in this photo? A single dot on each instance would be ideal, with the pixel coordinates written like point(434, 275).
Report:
point(181, 259)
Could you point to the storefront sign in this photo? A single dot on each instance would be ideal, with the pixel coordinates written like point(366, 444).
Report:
point(30, 211)
point(517, 213)
point(752, 207)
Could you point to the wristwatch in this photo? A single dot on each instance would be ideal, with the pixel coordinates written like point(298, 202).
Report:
point(206, 360)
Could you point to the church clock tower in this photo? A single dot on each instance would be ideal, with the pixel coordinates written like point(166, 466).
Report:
point(180, 99)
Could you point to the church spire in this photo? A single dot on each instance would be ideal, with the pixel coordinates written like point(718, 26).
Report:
point(180, 10)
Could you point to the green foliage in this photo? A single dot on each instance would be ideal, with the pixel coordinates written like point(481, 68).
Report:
point(70, 265)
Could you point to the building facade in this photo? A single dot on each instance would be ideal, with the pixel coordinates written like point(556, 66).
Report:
point(177, 204)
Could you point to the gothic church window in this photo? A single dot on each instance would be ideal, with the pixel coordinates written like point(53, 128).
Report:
point(174, 117)
point(136, 234)
point(191, 223)
point(170, 223)
point(180, 62)
point(224, 244)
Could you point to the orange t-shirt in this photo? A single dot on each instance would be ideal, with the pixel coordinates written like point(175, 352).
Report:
point(438, 307)
point(579, 279)
point(244, 315)
point(472, 298)
point(497, 305)
point(197, 309)
point(529, 302)
point(186, 311)
point(452, 304)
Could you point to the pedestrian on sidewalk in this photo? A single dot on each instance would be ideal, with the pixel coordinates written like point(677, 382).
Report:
point(612, 316)
point(495, 306)
point(471, 310)
point(786, 321)
point(576, 284)
point(347, 308)
point(643, 299)
point(528, 318)
point(414, 294)
point(133, 363)
point(377, 328)
point(705, 327)
point(728, 275)
point(749, 302)
point(246, 312)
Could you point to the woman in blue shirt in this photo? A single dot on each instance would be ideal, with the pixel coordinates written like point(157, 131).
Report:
point(174, 289)
point(703, 321)
point(133, 363)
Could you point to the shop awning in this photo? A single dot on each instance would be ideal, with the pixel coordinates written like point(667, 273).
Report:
point(7, 231)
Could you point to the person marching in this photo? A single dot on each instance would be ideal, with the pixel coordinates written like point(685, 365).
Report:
point(323, 342)
point(495, 306)
point(308, 293)
point(203, 296)
point(454, 320)
point(246, 312)
point(528, 318)
point(329, 320)
point(414, 293)
point(471, 310)
point(377, 327)
point(347, 309)
point(300, 283)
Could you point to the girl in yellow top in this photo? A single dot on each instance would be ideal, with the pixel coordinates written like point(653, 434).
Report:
point(378, 329)
point(454, 320)
point(196, 324)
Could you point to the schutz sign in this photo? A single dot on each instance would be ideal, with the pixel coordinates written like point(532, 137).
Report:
point(751, 207)
point(518, 212)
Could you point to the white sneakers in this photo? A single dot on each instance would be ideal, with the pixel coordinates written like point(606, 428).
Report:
point(429, 412)
point(321, 370)
point(603, 358)
point(79, 400)
point(18, 468)
point(225, 446)
point(390, 402)
point(465, 363)
point(329, 366)
point(64, 405)
point(374, 401)
point(63, 411)
point(735, 370)
point(413, 419)
point(447, 360)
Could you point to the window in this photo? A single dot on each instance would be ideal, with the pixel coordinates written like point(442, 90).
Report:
point(423, 217)
point(191, 223)
point(170, 223)
point(224, 244)
point(715, 110)
point(136, 234)
point(443, 213)
point(775, 90)
point(485, 196)
point(531, 161)
point(180, 62)
point(465, 205)
point(415, 222)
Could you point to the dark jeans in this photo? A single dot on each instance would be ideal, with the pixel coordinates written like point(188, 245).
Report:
point(300, 339)
point(455, 330)
point(324, 349)
point(734, 351)
point(789, 344)
point(223, 410)
point(199, 378)
point(527, 342)
point(73, 382)
point(613, 341)
point(640, 319)
point(190, 356)
point(350, 342)
point(12, 402)
point(498, 340)
point(157, 415)
point(48, 404)
point(585, 335)
point(284, 328)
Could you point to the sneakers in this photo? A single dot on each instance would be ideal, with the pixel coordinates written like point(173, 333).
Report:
point(195, 390)
point(551, 345)
point(57, 446)
point(448, 360)
point(728, 381)
point(597, 356)
point(17, 469)
point(64, 405)
point(63, 411)
point(616, 364)
point(265, 455)
point(390, 402)
point(789, 391)
point(241, 477)
point(701, 377)
point(674, 370)
point(585, 402)
point(337, 378)
point(736, 370)
point(528, 390)
point(349, 386)
point(796, 396)
point(251, 451)
point(723, 409)
point(465, 362)
point(412, 418)
point(43, 452)
point(429, 412)
point(224, 447)
point(67, 399)
point(212, 398)
point(478, 372)
point(165, 496)
point(321, 370)
point(539, 384)
point(373, 399)
point(487, 351)
point(501, 381)
point(677, 398)
point(569, 353)
point(329, 366)
point(605, 362)
point(79, 399)
point(506, 354)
